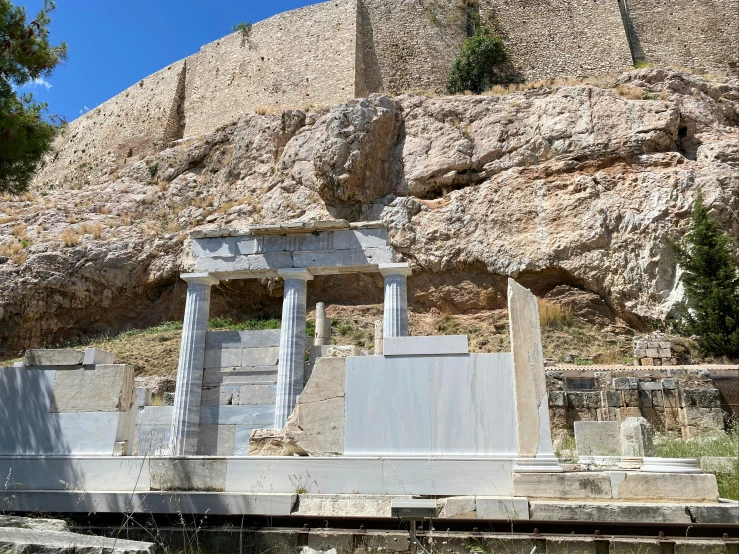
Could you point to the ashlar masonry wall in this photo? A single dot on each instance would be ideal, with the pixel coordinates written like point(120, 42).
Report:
point(561, 38)
point(409, 44)
point(297, 58)
point(699, 34)
point(141, 120)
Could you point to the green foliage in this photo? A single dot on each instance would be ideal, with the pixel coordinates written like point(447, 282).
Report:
point(153, 170)
point(226, 323)
point(643, 64)
point(243, 27)
point(708, 256)
point(475, 68)
point(26, 135)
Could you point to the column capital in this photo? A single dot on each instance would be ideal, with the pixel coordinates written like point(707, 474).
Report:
point(199, 279)
point(295, 273)
point(395, 269)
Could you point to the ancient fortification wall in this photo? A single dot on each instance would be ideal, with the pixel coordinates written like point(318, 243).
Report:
point(699, 34)
point(305, 56)
point(141, 120)
point(561, 38)
point(409, 44)
point(331, 52)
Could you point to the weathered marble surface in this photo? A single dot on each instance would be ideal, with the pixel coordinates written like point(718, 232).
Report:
point(439, 406)
point(426, 346)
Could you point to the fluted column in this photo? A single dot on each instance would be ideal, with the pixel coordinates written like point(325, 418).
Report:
point(395, 323)
point(186, 414)
point(292, 343)
point(323, 326)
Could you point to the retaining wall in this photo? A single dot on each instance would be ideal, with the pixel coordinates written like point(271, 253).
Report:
point(560, 38)
point(699, 34)
point(297, 58)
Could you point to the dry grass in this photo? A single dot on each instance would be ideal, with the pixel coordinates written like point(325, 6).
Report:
point(163, 186)
point(629, 92)
point(70, 237)
point(19, 232)
point(553, 316)
point(263, 110)
point(8, 219)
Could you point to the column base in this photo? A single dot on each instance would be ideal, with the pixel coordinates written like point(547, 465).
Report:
point(631, 462)
point(548, 464)
point(671, 465)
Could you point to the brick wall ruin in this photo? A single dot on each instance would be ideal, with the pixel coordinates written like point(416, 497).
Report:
point(699, 34)
point(677, 399)
point(548, 38)
point(334, 51)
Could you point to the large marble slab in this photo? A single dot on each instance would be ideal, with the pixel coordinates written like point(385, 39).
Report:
point(460, 405)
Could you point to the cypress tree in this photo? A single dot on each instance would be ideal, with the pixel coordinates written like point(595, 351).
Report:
point(708, 256)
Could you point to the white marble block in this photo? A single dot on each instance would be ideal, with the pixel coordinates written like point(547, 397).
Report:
point(532, 399)
point(426, 346)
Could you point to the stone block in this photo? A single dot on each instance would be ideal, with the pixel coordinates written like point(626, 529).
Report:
point(216, 340)
point(45, 358)
point(584, 400)
point(328, 260)
point(154, 415)
point(638, 487)
point(545, 510)
point(647, 362)
point(120, 448)
point(613, 399)
point(645, 399)
point(260, 357)
point(211, 396)
point(502, 508)
point(727, 512)
point(686, 546)
point(636, 438)
point(48, 541)
point(652, 353)
point(607, 414)
point(242, 441)
point(624, 413)
point(364, 238)
point(597, 438)
point(558, 398)
point(216, 440)
point(665, 353)
point(633, 546)
point(650, 385)
point(143, 397)
point(346, 505)
point(188, 475)
point(245, 377)
point(586, 485)
point(107, 388)
point(582, 414)
point(257, 394)
point(257, 416)
point(703, 418)
point(625, 383)
point(630, 398)
point(256, 264)
point(699, 398)
point(95, 356)
point(640, 353)
point(425, 346)
point(463, 507)
point(641, 344)
point(151, 440)
point(658, 399)
point(230, 357)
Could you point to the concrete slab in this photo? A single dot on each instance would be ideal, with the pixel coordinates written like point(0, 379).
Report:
point(425, 346)
point(34, 358)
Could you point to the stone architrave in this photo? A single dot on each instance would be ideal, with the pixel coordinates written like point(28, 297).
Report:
point(535, 449)
point(292, 343)
point(395, 322)
point(186, 413)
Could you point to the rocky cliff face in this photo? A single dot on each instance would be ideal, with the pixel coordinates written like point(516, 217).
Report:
point(563, 188)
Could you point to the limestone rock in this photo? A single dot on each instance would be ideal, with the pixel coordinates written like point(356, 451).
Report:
point(568, 186)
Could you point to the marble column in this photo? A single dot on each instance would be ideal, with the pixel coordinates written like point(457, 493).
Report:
point(323, 326)
point(395, 322)
point(292, 343)
point(186, 413)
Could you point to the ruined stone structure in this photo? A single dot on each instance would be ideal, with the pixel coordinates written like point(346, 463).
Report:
point(335, 51)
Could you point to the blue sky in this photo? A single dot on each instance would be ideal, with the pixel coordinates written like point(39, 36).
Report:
point(115, 43)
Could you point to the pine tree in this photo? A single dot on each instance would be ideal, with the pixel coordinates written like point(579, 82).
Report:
point(26, 135)
point(707, 255)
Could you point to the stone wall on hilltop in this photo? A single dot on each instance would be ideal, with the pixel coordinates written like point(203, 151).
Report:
point(556, 38)
point(142, 120)
point(700, 34)
point(294, 59)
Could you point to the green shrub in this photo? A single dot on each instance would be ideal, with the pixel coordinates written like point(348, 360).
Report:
point(475, 68)
point(244, 27)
